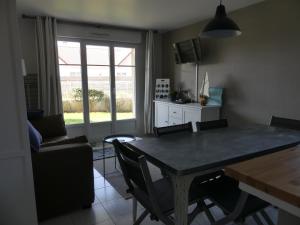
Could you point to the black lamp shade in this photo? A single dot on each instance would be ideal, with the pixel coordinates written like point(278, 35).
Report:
point(221, 26)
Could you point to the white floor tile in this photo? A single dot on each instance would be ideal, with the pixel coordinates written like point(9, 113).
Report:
point(61, 220)
point(107, 194)
point(96, 201)
point(96, 174)
point(107, 222)
point(92, 216)
point(100, 182)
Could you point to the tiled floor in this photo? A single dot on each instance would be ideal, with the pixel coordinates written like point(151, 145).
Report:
point(110, 208)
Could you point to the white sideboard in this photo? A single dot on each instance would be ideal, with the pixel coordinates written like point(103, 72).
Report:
point(168, 113)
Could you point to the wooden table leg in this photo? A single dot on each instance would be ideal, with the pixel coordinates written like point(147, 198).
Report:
point(181, 193)
point(285, 218)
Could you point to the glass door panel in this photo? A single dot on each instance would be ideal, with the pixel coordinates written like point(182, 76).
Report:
point(99, 87)
point(71, 82)
point(125, 82)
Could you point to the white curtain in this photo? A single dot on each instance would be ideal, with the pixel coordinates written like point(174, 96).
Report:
point(152, 71)
point(48, 72)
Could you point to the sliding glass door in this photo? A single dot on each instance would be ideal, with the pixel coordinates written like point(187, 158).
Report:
point(99, 83)
point(97, 80)
point(70, 68)
point(124, 67)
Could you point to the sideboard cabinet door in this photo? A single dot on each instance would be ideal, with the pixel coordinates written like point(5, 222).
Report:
point(161, 114)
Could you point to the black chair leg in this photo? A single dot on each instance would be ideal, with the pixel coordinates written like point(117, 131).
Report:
point(266, 217)
point(103, 156)
point(208, 214)
point(236, 212)
point(141, 218)
point(193, 214)
point(134, 209)
point(257, 219)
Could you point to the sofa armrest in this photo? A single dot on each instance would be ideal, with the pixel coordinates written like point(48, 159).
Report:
point(50, 126)
point(79, 139)
point(65, 153)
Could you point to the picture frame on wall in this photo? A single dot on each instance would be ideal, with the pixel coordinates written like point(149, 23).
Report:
point(162, 88)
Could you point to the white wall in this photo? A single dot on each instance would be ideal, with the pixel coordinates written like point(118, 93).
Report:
point(17, 204)
point(259, 69)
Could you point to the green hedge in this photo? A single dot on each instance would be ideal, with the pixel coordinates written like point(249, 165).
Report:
point(122, 104)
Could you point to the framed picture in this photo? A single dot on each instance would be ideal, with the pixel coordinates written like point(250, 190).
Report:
point(162, 88)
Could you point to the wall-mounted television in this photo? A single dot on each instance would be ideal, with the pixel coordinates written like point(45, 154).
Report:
point(188, 51)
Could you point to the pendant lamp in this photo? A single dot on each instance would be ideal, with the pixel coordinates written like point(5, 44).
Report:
point(221, 26)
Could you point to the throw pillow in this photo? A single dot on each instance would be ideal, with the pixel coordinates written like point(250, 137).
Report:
point(35, 137)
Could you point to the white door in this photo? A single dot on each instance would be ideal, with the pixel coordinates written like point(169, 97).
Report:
point(98, 86)
point(17, 202)
point(162, 115)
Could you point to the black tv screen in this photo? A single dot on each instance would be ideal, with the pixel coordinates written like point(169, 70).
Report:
point(188, 51)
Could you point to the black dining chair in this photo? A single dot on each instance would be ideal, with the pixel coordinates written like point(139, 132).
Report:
point(186, 127)
point(285, 123)
point(224, 192)
point(207, 125)
point(157, 197)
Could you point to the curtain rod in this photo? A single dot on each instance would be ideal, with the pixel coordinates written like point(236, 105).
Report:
point(88, 24)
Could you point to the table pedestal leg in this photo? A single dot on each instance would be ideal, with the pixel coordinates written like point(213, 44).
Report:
point(181, 191)
point(285, 218)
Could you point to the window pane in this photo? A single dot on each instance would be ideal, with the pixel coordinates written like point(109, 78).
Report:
point(97, 55)
point(99, 93)
point(68, 52)
point(125, 92)
point(124, 56)
point(70, 78)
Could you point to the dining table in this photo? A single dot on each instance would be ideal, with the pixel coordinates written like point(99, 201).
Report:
point(275, 178)
point(185, 155)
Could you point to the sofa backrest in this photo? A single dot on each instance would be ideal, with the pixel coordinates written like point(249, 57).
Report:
point(50, 126)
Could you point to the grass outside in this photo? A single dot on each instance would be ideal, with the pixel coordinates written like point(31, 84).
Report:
point(77, 118)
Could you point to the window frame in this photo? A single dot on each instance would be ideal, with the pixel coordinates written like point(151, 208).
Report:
point(84, 79)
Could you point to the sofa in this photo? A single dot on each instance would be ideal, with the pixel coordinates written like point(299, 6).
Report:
point(62, 169)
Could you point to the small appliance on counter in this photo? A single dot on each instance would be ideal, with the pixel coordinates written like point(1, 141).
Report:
point(181, 97)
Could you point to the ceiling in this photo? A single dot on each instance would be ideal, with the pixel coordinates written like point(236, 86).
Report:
point(144, 14)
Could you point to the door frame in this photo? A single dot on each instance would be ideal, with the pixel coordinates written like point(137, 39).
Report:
point(87, 125)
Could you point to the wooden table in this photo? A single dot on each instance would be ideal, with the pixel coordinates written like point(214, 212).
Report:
point(185, 156)
point(274, 178)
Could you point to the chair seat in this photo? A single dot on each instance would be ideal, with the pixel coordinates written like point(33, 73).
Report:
point(225, 193)
point(165, 195)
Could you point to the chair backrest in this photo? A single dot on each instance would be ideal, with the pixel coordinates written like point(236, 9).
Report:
point(130, 165)
point(136, 174)
point(211, 124)
point(285, 123)
point(186, 127)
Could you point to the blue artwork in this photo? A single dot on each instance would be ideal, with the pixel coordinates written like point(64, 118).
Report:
point(215, 96)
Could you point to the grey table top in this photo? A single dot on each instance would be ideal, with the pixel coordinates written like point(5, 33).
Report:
point(184, 153)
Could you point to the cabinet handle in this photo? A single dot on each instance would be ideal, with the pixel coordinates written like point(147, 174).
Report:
point(174, 112)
